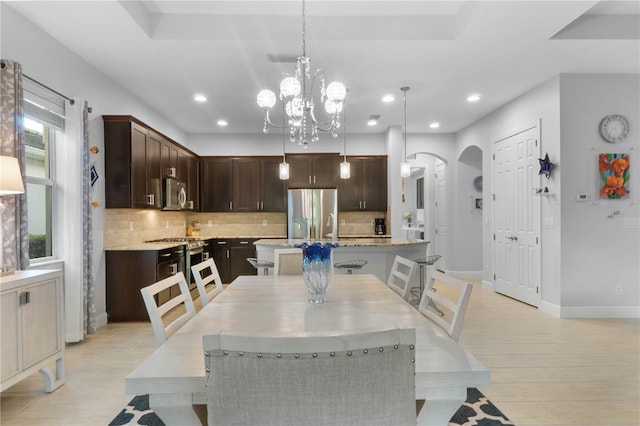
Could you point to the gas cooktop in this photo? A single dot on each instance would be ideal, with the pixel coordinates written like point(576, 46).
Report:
point(192, 242)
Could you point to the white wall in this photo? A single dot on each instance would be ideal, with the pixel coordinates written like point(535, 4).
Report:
point(540, 103)
point(584, 254)
point(46, 60)
point(598, 253)
point(271, 144)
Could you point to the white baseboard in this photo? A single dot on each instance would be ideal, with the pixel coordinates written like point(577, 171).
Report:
point(600, 312)
point(550, 308)
point(101, 320)
point(475, 275)
point(489, 285)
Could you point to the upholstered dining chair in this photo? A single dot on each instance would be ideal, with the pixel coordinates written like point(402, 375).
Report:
point(287, 261)
point(156, 313)
point(311, 380)
point(452, 299)
point(208, 280)
point(402, 274)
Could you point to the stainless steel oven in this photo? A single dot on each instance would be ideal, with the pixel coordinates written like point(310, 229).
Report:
point(193, 249)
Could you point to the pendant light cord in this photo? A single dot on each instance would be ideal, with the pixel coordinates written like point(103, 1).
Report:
point(304, 30)
point(404, 90)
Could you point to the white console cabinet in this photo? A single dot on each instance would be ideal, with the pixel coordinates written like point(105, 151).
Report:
point(32, 327)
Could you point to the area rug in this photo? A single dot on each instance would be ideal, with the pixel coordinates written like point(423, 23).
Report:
point(477, 410)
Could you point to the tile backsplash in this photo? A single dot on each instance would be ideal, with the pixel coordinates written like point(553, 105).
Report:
point(127, 226)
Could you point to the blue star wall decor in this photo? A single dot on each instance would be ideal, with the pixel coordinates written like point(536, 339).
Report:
point(545, 166)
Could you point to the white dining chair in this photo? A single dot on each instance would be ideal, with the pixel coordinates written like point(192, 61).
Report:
point(287, 261)
point(207, 279)
point(446, 306)
point(402, 274)
point(156, 313)
point(305, 381)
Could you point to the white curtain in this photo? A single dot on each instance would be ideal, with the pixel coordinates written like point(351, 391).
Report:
point(74, 183)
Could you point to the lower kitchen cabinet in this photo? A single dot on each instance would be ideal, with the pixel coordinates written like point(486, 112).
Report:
point(32, 327)
point(127, 271)
point(230, 256)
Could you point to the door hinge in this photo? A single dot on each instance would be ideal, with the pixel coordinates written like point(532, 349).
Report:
point(537, 289)
point(536, 142)
point(494, 277)
point(494, 237)
point(536, 240)
point(494, 196)
point(494, 157)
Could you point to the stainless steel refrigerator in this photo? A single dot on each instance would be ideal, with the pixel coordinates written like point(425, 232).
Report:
point(313, 214)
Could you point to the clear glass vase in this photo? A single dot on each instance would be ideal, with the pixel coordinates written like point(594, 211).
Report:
point(317, 269)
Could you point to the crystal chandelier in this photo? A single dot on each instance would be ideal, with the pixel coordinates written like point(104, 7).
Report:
point(297, 95)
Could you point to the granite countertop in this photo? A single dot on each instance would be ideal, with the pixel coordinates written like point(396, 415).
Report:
point(144, 246)
point(347, 242)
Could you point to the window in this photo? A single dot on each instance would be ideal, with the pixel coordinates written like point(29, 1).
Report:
point(44, 123)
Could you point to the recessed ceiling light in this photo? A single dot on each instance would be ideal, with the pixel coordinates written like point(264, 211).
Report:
point(473, 98)
point(434, 125)
point(222, 123)
point(388, 98)
point(199, 98)
point(373, 120)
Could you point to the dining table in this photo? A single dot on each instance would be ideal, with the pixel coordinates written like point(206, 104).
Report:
point(173, 375)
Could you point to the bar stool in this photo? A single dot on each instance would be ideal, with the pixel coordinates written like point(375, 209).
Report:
point(261, 264)
point(423, 262)
point(350, 265)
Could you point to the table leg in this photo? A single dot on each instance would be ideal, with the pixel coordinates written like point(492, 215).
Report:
point(175, 409)
point(440, 405)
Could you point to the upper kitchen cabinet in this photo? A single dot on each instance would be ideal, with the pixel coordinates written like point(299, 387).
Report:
point(182, 165)
point(193, 183)
point(366, 189)
point(245, 184)
point(133, 176)
point(216, 185)
point(313, 171)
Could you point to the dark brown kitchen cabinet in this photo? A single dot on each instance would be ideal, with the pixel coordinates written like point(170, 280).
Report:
point(133, 175)
point(366, 189)
point(127, 271)
point(313, 171)
point(273, 189)
point(193, 183)
point(230, 256)
point(246, 184)
point(216, 185)
point(241, 184)
point(169, 159)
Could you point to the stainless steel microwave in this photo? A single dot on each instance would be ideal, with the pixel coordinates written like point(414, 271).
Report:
point(174, 195)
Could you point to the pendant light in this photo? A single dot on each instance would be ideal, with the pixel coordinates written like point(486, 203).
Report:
point(345, 166)
point(405, 166)
point(283, 168)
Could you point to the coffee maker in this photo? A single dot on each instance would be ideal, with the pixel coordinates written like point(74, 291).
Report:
point(380, 227)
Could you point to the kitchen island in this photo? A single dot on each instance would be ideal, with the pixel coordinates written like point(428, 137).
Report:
point(378, 252)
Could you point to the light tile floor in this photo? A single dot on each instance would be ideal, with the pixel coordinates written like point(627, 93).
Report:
point(545, 370)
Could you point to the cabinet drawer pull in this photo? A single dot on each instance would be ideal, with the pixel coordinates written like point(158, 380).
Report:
point(165, 255)
point(222, 243)
point(365, 204)
point(244, 242)
point(25, 297)
point(151, 199)
point(230, 205)
point(178, 251)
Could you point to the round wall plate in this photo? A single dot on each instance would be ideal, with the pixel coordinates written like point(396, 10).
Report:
point(614, 128)
point(477, 183)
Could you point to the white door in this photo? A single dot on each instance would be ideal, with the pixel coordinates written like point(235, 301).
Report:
point(517, 216)
point(440, 246)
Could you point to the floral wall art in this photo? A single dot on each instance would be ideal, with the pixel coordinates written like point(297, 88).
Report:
point(614, 176)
